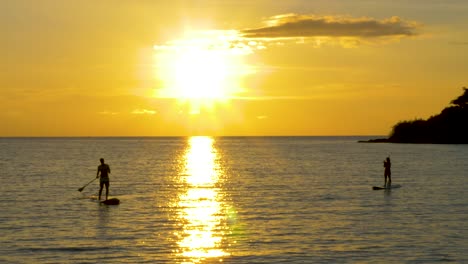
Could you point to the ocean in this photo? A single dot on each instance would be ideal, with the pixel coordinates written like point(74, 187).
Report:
point(232, 200)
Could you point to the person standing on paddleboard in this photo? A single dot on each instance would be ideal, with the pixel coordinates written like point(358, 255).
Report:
point(103, 171)
point(387, 173)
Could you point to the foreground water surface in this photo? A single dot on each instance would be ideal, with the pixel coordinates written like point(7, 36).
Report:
point(232, 200)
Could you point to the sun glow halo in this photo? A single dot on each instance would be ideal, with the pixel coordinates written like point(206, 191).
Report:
point(202, 69)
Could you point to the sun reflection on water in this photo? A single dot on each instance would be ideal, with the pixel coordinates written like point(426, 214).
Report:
point(201, 205)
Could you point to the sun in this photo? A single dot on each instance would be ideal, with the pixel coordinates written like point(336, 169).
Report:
point(202, 69)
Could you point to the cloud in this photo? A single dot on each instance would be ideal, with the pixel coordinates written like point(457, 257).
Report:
point(143, 112)
point(310, 26)
point(284, 29)
point(108, 113)
point(228, 42)
point(460, 43)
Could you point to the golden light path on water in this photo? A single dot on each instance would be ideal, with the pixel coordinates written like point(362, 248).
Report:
point(201, 214)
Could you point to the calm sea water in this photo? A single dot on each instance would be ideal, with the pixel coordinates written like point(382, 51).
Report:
point(232, 200)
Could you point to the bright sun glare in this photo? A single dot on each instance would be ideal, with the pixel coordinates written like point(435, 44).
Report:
point(203, 68)
point(202, 218)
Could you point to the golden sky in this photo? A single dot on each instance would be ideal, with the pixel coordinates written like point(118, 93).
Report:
point(227, 67)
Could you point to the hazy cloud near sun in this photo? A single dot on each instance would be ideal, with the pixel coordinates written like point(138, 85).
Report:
point(134, 112)
point(461, 43)
point(303, 26)
point(143, 112)
point(292, 28)
point(108, 113)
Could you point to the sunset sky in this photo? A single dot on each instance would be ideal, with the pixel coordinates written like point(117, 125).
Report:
point(227, 67)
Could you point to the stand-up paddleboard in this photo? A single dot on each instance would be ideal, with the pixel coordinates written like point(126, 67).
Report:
point(112, 201)
point(394, 186)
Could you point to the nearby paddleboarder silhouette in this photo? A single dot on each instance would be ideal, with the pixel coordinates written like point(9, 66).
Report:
point(103, 172)
point(387, 173)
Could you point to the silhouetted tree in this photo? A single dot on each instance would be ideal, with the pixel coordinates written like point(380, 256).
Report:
point(448, 127)
point(462, 100)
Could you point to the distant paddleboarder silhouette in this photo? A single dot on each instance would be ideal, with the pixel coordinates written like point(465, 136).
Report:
point(387, 173)
point(103, 172)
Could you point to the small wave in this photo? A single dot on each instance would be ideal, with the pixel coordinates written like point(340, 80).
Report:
point(67, 249)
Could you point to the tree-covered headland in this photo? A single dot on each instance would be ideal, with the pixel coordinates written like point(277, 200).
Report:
point(448, 127)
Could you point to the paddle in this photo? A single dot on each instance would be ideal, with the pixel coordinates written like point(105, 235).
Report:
point(82, 188)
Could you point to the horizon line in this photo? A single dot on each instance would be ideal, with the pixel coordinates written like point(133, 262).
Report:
point(187, 136)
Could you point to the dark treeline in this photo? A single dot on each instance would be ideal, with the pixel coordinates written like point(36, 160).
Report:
point(448, 127)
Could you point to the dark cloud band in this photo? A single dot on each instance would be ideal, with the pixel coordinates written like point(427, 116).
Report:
point(293, 25)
